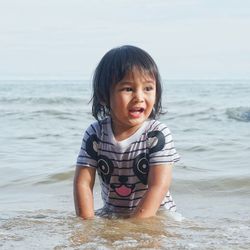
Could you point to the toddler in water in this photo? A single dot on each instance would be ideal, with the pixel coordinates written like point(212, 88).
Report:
point(132, 152)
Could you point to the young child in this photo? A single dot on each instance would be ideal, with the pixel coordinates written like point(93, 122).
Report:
point(132, 152)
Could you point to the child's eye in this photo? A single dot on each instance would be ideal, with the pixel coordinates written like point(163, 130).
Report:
point(149, 88)
point(127, 89)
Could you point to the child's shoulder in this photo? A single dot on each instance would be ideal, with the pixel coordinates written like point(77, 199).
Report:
point(155, 125)
point(96, 127)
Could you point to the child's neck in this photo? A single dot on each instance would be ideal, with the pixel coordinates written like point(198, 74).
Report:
point(123, 133)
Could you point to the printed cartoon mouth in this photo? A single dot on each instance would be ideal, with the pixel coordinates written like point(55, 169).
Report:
point(123, 190)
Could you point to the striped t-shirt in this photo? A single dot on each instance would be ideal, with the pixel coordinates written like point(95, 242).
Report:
point(123, 166)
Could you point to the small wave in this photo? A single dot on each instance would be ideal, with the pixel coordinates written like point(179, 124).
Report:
point(41, 100)
point(54, 113)
point(184, 103)
point(218, 186)
point(39, 136)
point(198, 148)
point(57, 177)
point(239, 114)
point(64, 176)
point(207, 113)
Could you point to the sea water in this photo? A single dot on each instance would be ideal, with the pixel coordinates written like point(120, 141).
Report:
point(42, 123)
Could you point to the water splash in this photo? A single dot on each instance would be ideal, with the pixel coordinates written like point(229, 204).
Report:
point(239, 114)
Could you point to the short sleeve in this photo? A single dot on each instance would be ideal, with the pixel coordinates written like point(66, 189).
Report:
point(161, 146)
point(87, 156)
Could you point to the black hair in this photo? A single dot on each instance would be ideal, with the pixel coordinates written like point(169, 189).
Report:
point(112, 68)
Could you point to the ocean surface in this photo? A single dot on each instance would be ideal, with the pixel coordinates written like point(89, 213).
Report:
point(42, 123)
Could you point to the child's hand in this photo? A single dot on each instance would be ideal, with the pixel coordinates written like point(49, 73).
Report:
point(159, 180)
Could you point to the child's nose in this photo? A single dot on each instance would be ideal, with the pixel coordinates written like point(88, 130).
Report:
point(139, 96)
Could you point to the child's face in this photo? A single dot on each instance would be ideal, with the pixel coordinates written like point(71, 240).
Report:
point(131, 102)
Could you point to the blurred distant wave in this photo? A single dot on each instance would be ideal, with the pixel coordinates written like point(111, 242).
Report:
point(239, 113)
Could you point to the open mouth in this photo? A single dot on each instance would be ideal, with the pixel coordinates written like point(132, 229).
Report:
point(136, 112)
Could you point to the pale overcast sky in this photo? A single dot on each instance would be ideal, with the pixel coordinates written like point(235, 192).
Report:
point(65, 39)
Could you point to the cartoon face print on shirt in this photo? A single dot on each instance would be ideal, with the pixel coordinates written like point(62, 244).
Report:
point(140, 164)
point(104, 164)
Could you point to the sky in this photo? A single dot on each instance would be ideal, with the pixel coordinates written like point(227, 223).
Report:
point(65, 39)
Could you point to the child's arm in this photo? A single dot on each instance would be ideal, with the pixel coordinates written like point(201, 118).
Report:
point(83, 192)
point(159, 180)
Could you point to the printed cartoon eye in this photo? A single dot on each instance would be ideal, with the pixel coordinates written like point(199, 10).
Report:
point(142, 166)
point(103, 166)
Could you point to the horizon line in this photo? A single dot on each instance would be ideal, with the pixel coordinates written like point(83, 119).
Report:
point(90, 79)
